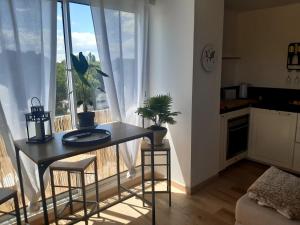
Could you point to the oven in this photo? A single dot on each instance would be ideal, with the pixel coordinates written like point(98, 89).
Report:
point(234, 132)
point(237, 136)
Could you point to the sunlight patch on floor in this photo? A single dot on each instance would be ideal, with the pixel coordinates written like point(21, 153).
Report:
point(126, 212)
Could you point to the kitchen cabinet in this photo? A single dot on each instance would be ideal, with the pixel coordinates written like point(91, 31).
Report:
point(296, 163)
point(272, 137)
point(298, 130)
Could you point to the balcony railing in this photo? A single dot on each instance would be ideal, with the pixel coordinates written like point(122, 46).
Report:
point(106, 159)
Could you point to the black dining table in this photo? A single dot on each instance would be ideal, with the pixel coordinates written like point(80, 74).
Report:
point(47, 153)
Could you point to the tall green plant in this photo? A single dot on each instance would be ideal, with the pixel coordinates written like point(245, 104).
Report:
point(158, 110)
point(81, 66)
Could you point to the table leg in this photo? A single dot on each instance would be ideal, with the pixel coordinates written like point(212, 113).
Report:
point(41, 169)
point(152, 179)
point(143, 175)
point(169, 178)
point(118, 171)
point(17, 210)
point(17, 150)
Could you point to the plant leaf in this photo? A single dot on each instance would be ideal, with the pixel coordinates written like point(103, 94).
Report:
point(80, 64)
point(158, 109)
point(102, 73)
point(84, 80)
point(83, 63)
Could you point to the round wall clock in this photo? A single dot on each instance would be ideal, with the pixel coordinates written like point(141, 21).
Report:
point(209, 58)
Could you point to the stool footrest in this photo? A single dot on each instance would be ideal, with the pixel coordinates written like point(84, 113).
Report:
point(156, 192)
point(157, 164)
point(71, 187)
point(156, 180)
point(146, 154)
point(77, 217)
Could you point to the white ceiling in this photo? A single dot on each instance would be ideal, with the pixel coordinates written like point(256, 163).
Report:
point(245, 5)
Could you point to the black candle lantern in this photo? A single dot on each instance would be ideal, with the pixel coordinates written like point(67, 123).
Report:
point(36, 121)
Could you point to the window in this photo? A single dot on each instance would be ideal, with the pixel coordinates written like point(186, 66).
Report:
point(75, 33)
point(84, 40)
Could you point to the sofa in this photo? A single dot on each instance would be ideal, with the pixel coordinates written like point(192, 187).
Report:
point(248, 212)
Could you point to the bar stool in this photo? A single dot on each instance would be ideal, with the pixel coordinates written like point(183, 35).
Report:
point(5, 195)
point(78, 168)
point(162, 150)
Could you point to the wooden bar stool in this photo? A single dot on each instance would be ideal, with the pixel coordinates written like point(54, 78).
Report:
point(5, 195)
point(78, 168)
point(159, 151)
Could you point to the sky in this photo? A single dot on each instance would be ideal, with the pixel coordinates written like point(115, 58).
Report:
point(83, 36)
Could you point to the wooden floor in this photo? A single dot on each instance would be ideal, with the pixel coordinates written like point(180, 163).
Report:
point(214, 204)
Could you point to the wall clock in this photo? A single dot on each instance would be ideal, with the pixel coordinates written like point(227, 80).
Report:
point(209, 58)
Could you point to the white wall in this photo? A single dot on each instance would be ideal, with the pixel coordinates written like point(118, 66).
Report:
point(171, 71)
point(230, 48)
point(263, 38)
point(206, 92)
point(230, 33)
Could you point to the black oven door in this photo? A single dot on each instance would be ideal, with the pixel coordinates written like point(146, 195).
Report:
point(237, 136)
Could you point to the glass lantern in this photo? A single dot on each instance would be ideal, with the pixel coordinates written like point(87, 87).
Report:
point(38, 124)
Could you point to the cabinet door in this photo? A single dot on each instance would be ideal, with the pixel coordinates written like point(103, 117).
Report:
point(296, 165)
point(272, 136)
point(298, 130)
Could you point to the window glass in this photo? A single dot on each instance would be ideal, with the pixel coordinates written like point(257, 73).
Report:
point(84, 40)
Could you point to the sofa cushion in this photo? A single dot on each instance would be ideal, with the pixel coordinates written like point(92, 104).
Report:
point(278, 190)
point(248, 212)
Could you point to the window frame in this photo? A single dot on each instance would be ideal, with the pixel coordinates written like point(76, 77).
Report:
point(66, 22)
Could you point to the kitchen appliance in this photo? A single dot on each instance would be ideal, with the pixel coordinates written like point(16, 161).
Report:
point(229, 93)
point(234, 131)
point(237, 136)
point(243, 91)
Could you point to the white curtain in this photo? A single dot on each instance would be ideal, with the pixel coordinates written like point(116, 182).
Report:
point(121, 28)
point(27, 62)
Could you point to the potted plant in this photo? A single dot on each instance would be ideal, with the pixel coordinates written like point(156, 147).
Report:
point(158, 110)
point(81, 66)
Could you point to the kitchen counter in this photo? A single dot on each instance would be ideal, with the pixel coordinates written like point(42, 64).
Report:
point(235, 104)
point(287, 107)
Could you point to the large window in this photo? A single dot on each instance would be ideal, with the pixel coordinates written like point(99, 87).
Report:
point(81, 39)
point(75, 33)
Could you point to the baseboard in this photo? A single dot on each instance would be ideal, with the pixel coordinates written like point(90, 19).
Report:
point(199, 186)
point(180, 187)
point(175, 184)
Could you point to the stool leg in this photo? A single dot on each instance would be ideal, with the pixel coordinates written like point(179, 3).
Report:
point(97, 186)
point(143, 175)
point(84, 197)
point(17, 210)
point(118, 171)
point(70, 192)
point(169, 176)
point(53, 196)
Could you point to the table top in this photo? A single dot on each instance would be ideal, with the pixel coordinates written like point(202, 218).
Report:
point(55, 150)
point(145, 146)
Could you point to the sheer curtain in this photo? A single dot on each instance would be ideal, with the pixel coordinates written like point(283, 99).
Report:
point(27, 59)
point(121, 28)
